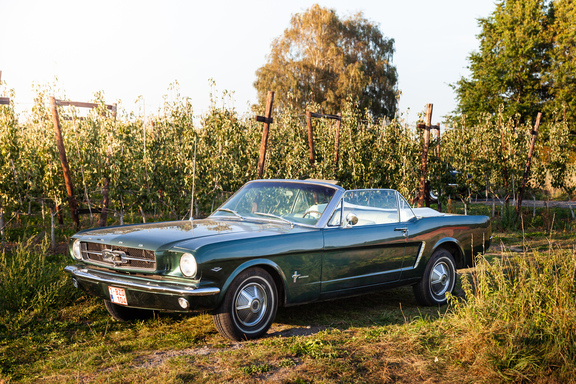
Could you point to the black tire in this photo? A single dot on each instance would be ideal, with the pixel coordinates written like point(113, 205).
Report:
point(249, 306)
point(122, 313)
point(439, 278)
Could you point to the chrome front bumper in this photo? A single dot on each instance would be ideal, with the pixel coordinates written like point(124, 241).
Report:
point(84, 275)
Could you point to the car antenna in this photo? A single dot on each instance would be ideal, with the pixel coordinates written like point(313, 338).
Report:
point(193, 182)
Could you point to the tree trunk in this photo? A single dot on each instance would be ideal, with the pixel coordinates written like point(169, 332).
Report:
point(527, 167)
point(105, 202)
point(2, 232)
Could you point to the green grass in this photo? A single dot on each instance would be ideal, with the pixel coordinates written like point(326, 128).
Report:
point(513, 320)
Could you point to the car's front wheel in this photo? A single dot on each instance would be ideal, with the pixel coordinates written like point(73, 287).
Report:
point(122, 313)
point(439, 278)
point(249, 306)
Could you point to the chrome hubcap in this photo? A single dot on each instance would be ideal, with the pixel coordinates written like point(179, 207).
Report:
point(250, 304)
point(440, 280)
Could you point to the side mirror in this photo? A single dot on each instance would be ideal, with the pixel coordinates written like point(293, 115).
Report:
point(351, 219)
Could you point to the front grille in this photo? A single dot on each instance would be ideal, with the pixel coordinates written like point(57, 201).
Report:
point(119, 257)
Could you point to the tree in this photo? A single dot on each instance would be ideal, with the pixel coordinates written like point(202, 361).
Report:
point(562, 74)
point(325, 60)
point(509, 68)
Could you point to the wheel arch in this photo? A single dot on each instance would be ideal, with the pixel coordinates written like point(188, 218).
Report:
point(269, 266)
point(453, 246)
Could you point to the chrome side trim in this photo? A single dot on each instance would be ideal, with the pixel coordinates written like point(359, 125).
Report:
point(83, 274)
point(366, 275)
point(420, 254)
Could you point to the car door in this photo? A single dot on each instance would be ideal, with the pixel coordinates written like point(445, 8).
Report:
point(408, 225)
point(371, 251)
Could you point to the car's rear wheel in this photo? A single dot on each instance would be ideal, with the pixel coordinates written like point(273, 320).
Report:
point(439, 278)
point(249, 306)
point(123, 313)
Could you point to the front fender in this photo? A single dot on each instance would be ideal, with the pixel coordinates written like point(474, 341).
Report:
point(267, 264)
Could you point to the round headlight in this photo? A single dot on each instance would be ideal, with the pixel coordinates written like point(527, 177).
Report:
point(76, 252)
point(188, 265)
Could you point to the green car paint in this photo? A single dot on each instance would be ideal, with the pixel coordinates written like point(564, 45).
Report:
point(303, 240)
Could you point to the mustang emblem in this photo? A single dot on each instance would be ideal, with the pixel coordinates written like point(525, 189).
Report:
point(297, 276)
point(115, 257)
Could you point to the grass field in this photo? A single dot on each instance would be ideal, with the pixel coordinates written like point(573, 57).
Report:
point(513, 319)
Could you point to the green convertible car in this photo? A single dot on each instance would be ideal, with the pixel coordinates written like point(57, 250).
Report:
point(276, 242)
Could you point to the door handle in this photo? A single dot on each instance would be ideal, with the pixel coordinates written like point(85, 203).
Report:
point(403, 229)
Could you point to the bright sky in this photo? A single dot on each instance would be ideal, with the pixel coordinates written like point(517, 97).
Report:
point(128, 48)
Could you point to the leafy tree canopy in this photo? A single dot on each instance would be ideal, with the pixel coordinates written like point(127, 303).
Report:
point(323, 59)
point(508, 69)
point(562, 74)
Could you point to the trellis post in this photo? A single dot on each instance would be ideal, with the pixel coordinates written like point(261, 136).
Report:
point(527, 167)
point(422, 192)
point(267, 120)
point(311, 156)
point(64, 162)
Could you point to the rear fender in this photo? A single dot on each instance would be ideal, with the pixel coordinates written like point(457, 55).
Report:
point(454, 247)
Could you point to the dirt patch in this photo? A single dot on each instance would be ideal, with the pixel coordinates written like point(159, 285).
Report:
point(160, 357)
point(277, 330)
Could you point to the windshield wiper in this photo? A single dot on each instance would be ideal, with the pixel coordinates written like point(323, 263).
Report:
point(276, 217)
point(229, 211)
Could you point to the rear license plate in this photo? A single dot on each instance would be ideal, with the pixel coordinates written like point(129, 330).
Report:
point(118, 295)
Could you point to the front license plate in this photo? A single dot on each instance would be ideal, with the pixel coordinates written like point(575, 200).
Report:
point(118, 295)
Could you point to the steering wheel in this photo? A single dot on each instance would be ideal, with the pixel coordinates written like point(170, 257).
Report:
point(309, 211)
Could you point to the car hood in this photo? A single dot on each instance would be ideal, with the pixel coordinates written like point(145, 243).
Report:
point(164, 235)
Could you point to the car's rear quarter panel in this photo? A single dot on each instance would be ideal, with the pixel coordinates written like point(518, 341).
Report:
point(464, 236)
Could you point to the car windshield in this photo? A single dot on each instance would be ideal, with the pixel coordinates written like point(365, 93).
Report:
point(300, 203)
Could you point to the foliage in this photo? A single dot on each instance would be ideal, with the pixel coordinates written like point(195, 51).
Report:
point(30, 281)
point(150, 163)
point(509, 68)
point(9, 157)
point(562, 74)
point(326, 60)
point(525, 63)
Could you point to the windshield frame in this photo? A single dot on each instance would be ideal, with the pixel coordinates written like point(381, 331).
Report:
point(322, 221)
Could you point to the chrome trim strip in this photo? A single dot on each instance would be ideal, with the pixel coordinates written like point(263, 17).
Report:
point(420, 254)
point(366, 275)
point(84, 274)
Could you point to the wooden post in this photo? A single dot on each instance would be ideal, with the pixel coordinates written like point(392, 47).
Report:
point(437, 127)
point(267, 120)
point(527, 167)
point(309, 116)
point(64, 161)
point(310, 138)
point(337, 141)
point(424, 162)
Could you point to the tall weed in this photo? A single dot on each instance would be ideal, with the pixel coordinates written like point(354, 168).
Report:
point(519, 317)
point(31, 280)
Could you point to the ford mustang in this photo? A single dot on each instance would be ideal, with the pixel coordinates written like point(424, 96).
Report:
point(276, 243)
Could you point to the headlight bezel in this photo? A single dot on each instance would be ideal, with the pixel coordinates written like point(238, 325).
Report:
point(76, 249)
point(188, 265)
